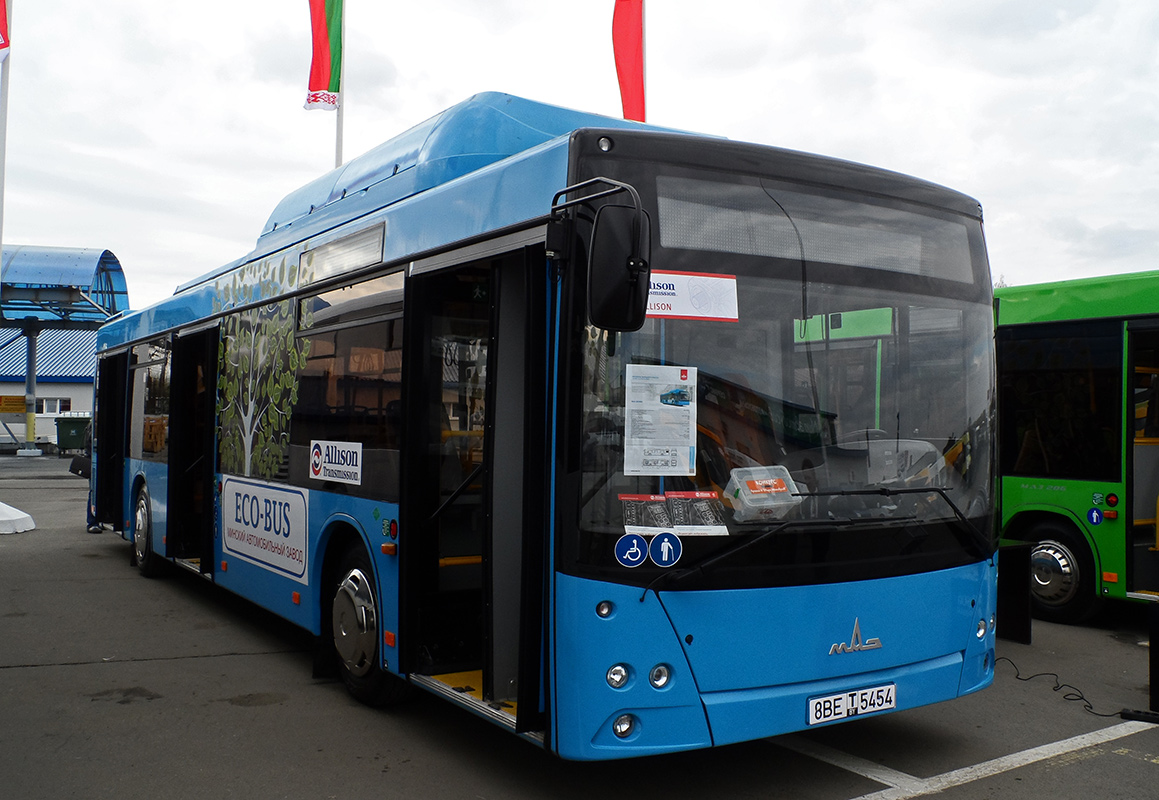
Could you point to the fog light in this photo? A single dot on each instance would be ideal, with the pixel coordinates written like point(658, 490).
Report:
point(981, 628)
point(617, 676)
point(604, 609)
point(624, 725)
point(659, 676)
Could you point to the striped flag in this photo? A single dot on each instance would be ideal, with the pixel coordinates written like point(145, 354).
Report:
point(326, 66)
point(628, 44)
point(3, 29)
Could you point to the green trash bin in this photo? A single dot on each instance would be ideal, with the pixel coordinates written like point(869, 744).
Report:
point(70, 433)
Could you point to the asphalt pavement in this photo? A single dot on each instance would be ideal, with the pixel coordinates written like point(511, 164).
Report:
point(117, 686)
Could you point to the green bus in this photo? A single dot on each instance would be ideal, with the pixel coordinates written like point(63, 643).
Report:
point(1078, 407)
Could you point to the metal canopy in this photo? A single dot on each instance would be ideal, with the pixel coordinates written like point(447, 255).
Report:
point(60, 287)
point(55, 288)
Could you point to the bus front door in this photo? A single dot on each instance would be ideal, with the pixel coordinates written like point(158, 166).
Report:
point(472, 610)
point(1143, 446)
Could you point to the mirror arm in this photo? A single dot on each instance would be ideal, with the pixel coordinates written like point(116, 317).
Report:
point(636, 265)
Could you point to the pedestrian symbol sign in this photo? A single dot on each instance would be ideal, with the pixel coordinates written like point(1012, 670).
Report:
point(665, 549)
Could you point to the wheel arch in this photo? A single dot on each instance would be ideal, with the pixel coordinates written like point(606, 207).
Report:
point(340, 533)
point(1025, 521)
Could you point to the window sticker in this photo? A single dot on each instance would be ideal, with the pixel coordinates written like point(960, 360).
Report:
point(340, 462)
point(697, 513)
point(660, 420)
point(693, 295)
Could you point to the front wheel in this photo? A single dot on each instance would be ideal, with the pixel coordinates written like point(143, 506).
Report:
point(356, 633)
point(148, 562)
point(1062, 574)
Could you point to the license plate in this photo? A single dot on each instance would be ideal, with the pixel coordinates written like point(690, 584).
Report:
point(852, 704)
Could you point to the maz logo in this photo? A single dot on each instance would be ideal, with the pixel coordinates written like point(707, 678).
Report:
point(855, 644)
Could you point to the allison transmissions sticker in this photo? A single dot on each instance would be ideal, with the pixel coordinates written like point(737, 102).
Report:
point(340, 462)
point(660, 420)
point(266, 524)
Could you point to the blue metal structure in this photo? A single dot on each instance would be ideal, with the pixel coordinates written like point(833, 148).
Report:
point(467, 508)
point(66, 287)
point(65, 291)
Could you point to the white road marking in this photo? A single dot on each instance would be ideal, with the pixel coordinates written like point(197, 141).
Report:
point(902, 785)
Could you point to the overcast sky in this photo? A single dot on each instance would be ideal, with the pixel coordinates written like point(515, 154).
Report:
point(167, 132)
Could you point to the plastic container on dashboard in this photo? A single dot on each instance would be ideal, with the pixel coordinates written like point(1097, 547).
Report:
point(757, 493)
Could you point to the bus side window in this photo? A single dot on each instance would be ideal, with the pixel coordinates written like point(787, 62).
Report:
point(349, 391)
point(149, 426)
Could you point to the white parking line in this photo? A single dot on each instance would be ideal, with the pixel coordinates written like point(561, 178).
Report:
point(902, 785)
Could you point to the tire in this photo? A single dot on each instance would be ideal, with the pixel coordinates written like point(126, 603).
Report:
point(148, 563)
point(355, 633)
point(1062, 574)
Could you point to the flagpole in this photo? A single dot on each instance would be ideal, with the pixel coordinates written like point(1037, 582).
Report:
point(341, 95)
point(4, 69)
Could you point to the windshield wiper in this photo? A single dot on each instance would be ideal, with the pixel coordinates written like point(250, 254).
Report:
point(683, 574)
point(985, 545)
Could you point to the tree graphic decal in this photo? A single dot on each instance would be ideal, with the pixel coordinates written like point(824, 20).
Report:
point(260, 361)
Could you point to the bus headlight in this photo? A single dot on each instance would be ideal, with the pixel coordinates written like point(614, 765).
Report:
point(624, 725)
point(659, 676)
point(981, 628)
point(617, 676)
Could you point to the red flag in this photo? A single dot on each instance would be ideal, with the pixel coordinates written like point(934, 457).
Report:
point(326, 66)
point(628, 44)
point(3, 29)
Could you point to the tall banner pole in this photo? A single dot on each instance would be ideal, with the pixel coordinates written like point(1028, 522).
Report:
point(5, 61)
point(328, 35)
point(341, 95)
point(30, 329)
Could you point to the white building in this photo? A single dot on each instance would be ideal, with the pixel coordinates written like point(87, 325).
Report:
point(65, 364)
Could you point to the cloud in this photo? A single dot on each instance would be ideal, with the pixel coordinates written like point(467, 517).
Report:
point(158, 131)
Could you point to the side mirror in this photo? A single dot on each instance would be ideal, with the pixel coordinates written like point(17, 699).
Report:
point(618, 271)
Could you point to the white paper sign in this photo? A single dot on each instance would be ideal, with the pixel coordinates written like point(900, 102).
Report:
point(660, 420)
point(692, 295)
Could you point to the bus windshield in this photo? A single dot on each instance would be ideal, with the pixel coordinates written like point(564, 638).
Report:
point(814, 375)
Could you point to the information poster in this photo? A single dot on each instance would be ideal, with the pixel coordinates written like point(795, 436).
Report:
point(660, 420)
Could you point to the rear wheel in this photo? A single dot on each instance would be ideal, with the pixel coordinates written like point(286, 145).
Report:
point(1062, 574)
point(356, 633)
point(147, 561)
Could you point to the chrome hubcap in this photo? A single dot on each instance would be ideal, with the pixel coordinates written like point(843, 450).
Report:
point(355, 625)
point(1054, 572)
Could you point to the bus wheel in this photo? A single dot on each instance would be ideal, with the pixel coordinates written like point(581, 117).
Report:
point(1062, 574)
point(147, 561)
point(355, 629)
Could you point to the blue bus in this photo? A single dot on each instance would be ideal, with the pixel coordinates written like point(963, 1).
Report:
point(423, 420)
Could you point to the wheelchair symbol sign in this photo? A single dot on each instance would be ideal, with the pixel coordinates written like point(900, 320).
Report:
point(631, 550)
